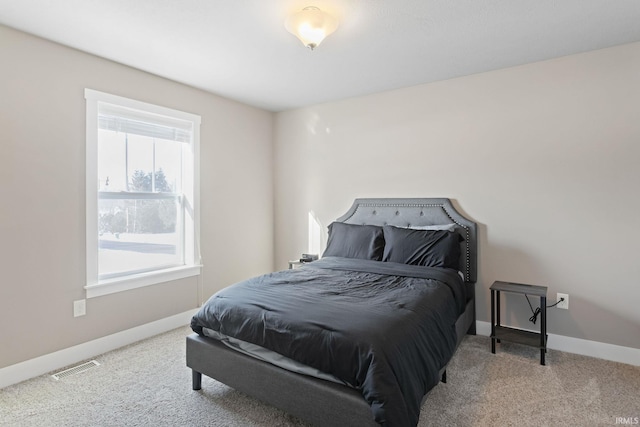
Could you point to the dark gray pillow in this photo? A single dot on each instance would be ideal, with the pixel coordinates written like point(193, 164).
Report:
point(355, 241)
point(430, 248)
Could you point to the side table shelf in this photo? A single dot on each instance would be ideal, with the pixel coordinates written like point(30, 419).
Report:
point(499, 332)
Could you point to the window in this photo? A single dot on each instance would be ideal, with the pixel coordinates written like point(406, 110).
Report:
point(142, 194)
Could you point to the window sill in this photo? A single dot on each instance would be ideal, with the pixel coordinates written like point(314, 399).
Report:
point(135, 281)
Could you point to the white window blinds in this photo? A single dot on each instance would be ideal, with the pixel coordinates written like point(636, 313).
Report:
point(114, 118)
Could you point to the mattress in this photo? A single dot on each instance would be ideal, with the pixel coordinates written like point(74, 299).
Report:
point(269, 356)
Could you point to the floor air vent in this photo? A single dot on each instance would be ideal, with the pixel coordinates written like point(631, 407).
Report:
point(75, 370)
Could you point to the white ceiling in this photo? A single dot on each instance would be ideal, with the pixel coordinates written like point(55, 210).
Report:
point(240, 49)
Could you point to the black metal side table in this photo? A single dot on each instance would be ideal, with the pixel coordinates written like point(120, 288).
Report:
point(499, 332)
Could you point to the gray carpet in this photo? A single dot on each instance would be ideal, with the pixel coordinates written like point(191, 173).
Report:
point(148, 384)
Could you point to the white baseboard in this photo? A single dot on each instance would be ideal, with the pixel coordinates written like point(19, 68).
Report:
point(615, 353)
point(50, 362)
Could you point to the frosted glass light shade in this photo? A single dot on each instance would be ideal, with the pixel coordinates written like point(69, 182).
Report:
point(311, 26)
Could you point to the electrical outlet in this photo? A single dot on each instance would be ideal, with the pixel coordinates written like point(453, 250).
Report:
point(564, 304)
point(79, 308)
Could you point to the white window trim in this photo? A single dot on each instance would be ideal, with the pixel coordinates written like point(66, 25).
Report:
point(192, 267)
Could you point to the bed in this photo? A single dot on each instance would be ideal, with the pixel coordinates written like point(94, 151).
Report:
point(381, 373)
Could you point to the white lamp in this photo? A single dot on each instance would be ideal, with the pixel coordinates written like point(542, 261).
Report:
point(311, 26)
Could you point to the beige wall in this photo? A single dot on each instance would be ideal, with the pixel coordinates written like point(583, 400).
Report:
point(42, 183)
point(543, 156)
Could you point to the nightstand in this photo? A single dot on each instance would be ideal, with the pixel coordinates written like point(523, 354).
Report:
point(499, 332)
point(305, 259)
point(295, 263)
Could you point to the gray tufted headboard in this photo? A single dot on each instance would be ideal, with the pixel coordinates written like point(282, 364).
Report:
point(419, 212)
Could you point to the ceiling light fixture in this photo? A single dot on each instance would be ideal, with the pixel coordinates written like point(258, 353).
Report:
point(311, 26)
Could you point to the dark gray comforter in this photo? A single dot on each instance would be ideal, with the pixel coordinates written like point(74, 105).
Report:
point(384, 328)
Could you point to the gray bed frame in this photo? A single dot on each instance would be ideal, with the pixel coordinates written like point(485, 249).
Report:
point(317, 401)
